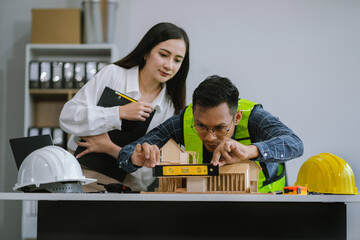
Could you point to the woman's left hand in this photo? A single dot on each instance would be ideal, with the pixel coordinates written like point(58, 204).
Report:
point(100, 144)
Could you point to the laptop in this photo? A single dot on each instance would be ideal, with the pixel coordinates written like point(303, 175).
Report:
point(22, 147)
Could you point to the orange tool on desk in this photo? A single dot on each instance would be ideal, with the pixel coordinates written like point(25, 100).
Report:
point(295, 190)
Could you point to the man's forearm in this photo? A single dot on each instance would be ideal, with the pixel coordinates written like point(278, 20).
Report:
point(280, 149)
point(253, 151)
point(124, 157)
point(171, 128)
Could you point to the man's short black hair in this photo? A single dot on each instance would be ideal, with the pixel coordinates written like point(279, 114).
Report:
point(215, 90)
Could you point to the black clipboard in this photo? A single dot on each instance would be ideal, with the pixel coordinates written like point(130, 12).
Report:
point(131, 131)
point(111, 98)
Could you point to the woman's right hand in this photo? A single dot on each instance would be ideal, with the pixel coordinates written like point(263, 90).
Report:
point(135, 111)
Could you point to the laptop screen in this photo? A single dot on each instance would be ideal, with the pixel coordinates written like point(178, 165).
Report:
point(22, 147)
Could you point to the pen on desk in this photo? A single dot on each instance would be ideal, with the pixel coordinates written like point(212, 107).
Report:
point(124, 96)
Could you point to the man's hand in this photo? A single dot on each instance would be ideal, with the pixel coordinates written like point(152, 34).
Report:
point(230, 151)
point(100, 144)
point(145, 155)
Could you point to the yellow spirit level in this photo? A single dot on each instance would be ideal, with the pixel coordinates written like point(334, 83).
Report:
point(185, 170)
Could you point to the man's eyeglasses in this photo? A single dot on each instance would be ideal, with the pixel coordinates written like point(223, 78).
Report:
point(216, 131)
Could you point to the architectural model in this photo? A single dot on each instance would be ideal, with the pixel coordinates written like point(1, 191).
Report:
point(240, 177)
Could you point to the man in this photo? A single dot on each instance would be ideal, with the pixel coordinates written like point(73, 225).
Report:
point(223, 129)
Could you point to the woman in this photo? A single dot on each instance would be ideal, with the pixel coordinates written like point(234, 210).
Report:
point(154, 74)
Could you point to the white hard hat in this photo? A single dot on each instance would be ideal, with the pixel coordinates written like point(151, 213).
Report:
point(51, 168)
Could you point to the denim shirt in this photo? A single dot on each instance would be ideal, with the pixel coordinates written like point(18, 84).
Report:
point(276, 142)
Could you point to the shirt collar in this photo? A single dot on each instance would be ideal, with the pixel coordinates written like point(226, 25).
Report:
point(160, 102)
point(132, 82)
point(132, 86)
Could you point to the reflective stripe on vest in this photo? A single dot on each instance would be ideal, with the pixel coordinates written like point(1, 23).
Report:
point(193, 142)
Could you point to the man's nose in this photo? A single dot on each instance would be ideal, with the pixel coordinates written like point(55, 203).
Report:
point(210, 135)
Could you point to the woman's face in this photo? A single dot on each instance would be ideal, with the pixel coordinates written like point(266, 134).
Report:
point(164, 60)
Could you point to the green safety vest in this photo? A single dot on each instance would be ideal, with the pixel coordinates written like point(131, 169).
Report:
point(193, 143)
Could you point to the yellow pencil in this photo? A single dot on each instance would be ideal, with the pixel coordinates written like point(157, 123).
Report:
point(124, 96)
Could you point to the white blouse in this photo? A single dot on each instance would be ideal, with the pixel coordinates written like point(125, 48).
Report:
point(81, 116)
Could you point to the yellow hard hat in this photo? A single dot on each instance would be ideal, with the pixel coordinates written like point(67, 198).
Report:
point(327, 173)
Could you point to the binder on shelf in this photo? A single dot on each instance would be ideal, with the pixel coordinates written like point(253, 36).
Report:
point(34, 68)
point(90, 70)
point(131, 131)
point(80, 74)
point(33, 131)
point(68, 75)
point(59, 137)
point(45, 74)
point(57, 75)
point(100, 65)
point(45, 131)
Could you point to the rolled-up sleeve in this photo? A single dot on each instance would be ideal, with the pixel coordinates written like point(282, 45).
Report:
point(275, 141)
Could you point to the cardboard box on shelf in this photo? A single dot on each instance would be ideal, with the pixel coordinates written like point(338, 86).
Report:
point(56, 25)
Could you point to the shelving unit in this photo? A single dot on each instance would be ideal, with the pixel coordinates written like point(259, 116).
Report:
point(43, 106)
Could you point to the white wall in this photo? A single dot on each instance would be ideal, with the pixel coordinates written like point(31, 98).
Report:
point(298, 58)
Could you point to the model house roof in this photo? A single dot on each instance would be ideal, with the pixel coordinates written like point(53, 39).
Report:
point(171, 142)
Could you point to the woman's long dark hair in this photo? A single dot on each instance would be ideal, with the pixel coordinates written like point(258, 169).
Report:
point(176, 86)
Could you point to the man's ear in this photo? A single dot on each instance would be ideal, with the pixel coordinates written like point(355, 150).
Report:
point(238, 116)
